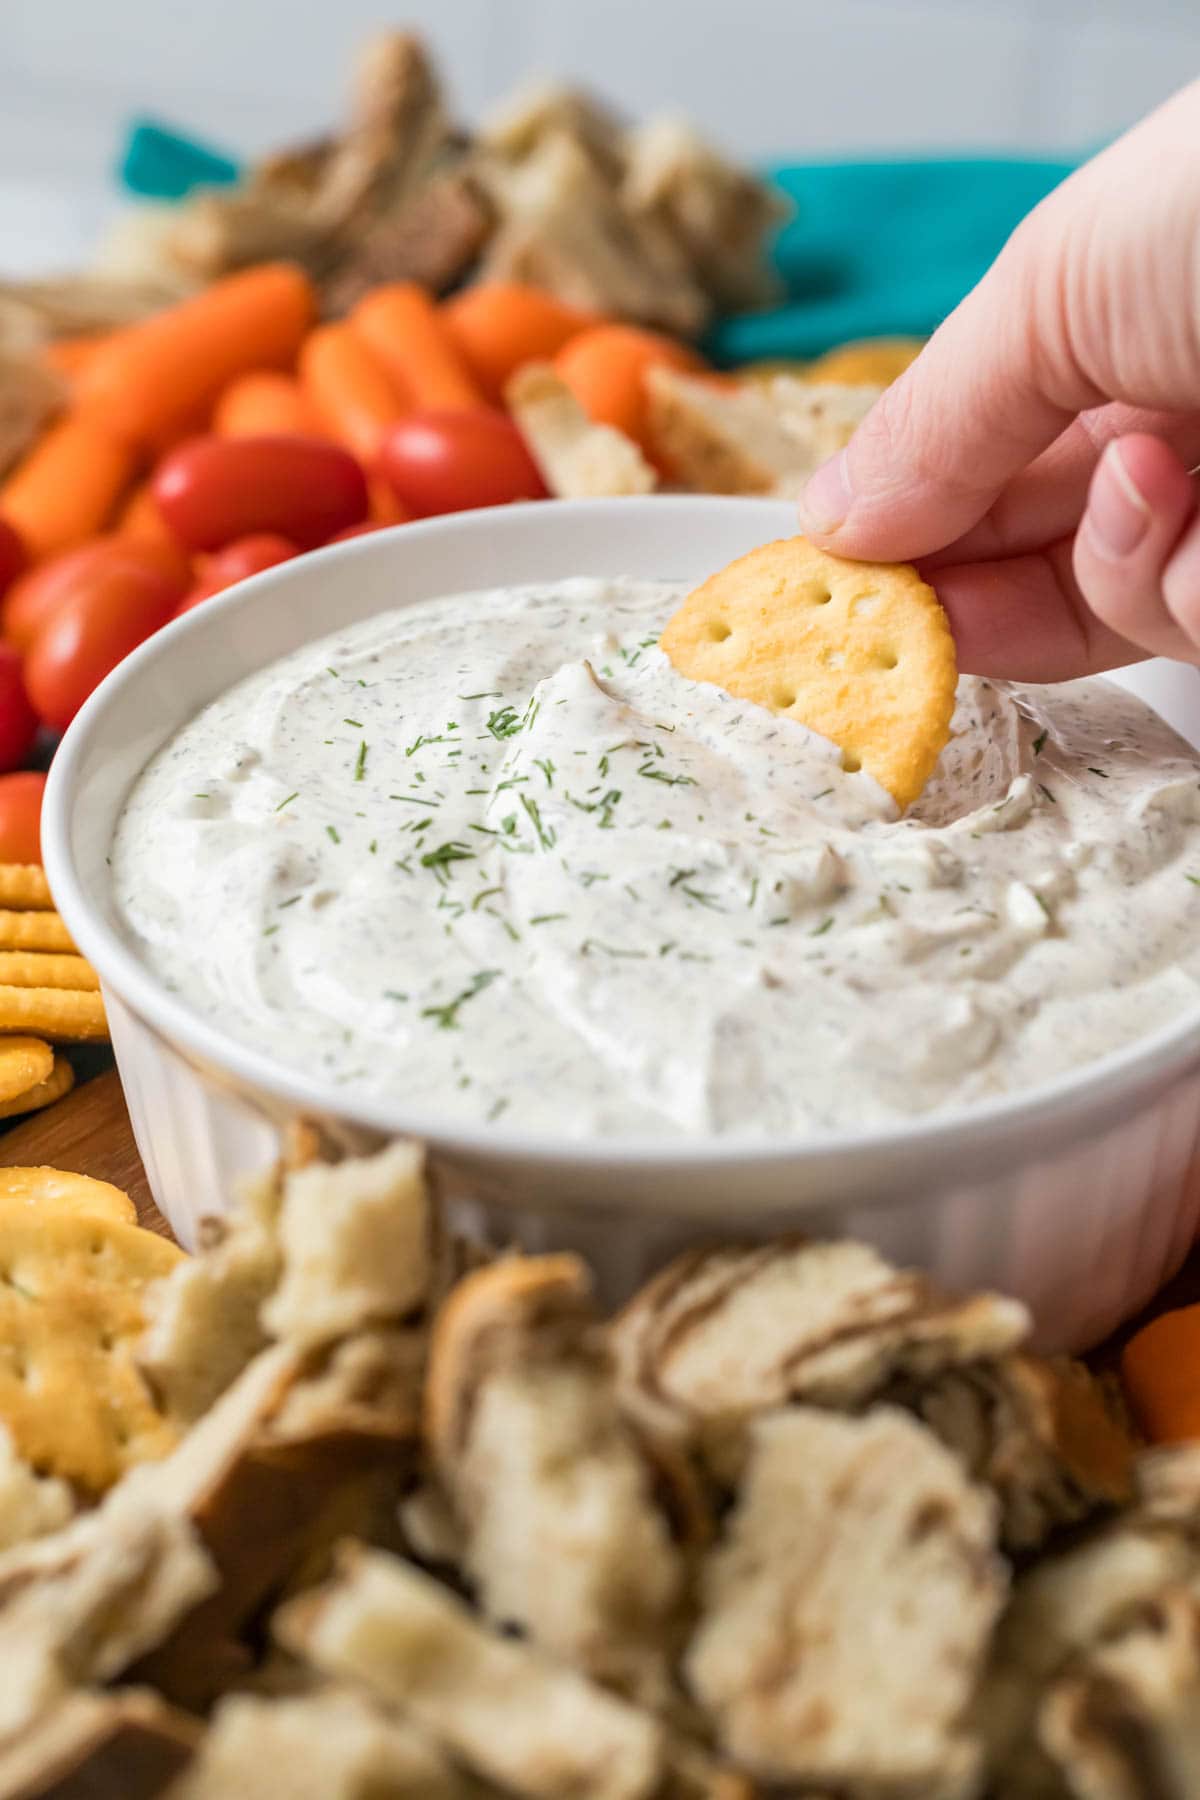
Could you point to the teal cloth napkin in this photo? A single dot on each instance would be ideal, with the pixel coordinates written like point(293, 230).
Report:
point(883, 247)
point(875, 247)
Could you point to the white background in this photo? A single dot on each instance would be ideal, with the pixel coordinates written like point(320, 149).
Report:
point(768, 77)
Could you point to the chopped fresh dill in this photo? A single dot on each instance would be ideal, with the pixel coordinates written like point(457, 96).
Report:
point(546, 918)
point(823, 793)
point(491, 694)
point(360, 766)
point(332, 672)
point(1039, 742)
point(590, 944)
point(414, 799)
point(1045, 790)
point(288, 801)
point(270, 930)
point(484, 894)
point(546, 765)
point(441, 859)
point(650, 773)
point(447, 1015)
point(394, 994)
point(1094, 771)
point(504, 722)
point(292, 902)
point(496, 1108)
point(357, 723)
point(822, 928)
point(547, 836)
point(331, 831)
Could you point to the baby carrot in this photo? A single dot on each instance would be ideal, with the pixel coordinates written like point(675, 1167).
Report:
point(162, 373)
point(497, 326)
point(70, 356)
point(1160, 1367)
point(66, 489)
point(349, 389)
point(265, 403)
point(605, 369)
point(402, 327)
point(140, 522)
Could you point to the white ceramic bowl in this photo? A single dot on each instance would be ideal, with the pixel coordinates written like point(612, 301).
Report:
point(1081, 1197)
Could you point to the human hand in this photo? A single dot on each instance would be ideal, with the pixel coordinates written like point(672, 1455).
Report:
point(1034, 460)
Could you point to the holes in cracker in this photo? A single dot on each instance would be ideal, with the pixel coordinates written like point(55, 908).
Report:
point(887, 659)
point(718, 631)
point(785, 698)
point(850, 762)
point(820, 595)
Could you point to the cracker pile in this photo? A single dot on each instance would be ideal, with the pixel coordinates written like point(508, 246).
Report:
point(790, 1522)
point(49, 995)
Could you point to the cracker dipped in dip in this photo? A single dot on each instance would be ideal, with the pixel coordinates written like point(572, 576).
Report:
point(494, 857)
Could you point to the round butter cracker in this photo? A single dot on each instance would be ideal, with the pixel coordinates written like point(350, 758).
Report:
point(860, 652)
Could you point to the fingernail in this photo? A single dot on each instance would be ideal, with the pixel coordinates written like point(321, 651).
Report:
point(828, 497)
point(1118, 515)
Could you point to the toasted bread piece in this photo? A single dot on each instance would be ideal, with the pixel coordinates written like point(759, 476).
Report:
point(562, 1531)
point(500, 1708)
point(332, 1744)
point(847, 1614)
point(722, 1335)
point(750, 437)
point(578, 459)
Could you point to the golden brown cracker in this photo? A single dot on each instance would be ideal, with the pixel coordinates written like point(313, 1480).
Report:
point(24, 887)
point(63, 1015)
point(860, 652)
point(866, 362)
point(60, 1081)
point(41, 968)
point(33, 931)
point(63, 1191)
point(25, 1062)
point(71, 1314)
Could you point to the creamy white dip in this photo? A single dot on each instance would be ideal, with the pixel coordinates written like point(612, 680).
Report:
point(492, 857)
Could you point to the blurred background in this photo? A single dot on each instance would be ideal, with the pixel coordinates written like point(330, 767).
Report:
point(771, 79)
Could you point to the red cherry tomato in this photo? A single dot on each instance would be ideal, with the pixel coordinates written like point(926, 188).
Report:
point(447, 461)
point(90, 633)
point(21, 817)
point(213, 490)
point(13, 558)
point(18, 721)
point(237, 562)
point(35, 597)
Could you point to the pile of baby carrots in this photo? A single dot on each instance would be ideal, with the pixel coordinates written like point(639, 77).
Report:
point(236, 430)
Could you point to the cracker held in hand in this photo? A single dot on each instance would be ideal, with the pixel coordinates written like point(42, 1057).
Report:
point(860, 652)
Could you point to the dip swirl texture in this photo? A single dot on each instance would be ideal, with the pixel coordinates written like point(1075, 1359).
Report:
point(492, 857)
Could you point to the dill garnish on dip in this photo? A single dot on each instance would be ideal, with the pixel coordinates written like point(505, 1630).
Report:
point(492, 854)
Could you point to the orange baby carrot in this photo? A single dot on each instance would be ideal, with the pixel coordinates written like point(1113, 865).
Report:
point(498, 326)
point(159, 375)
point(400, 324)
point(140, 522)
point(385, 508)
point(605, 369)
point(66, 489)
point(265, 403)
point(1160, 1367)
point(349, 389)
point(70, 356)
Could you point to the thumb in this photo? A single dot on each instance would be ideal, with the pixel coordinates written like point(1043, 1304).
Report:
point(994, 386)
